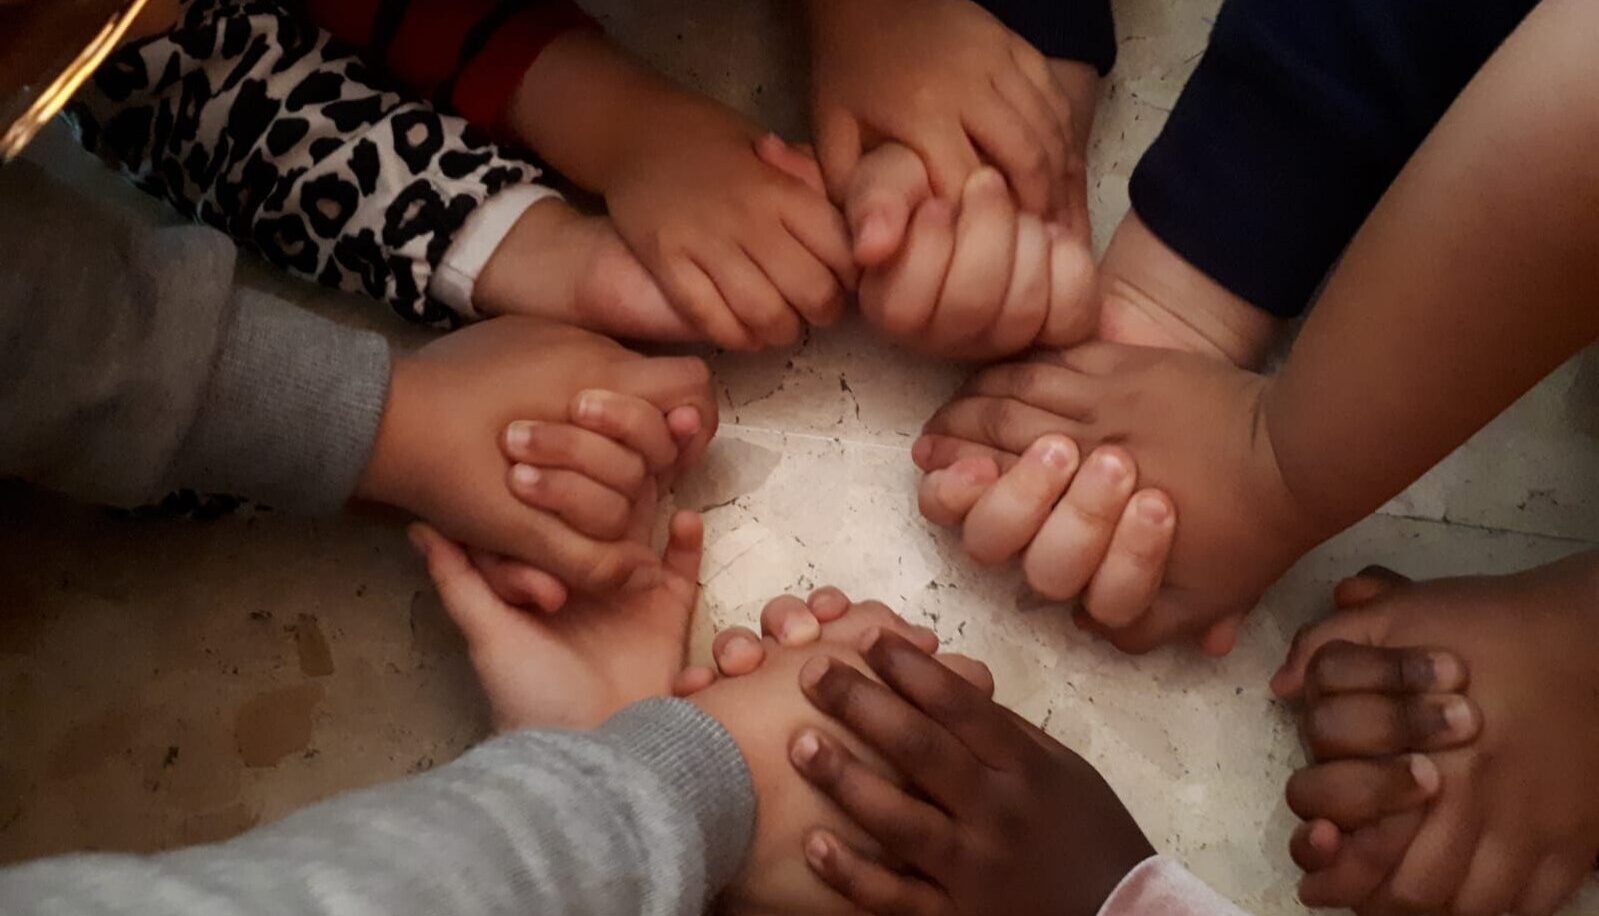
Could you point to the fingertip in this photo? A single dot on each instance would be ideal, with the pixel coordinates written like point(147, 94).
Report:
point(684, 422)
point(1222, 637)
point(737, 652)
point(922, 452)
point(692, 680)
point(1426, 774)
point(828, 603)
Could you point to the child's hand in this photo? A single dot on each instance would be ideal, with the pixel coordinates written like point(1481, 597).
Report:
point(975, 281)
point(560, 265)
point(1512, 825)
point(745, 252)
point(946, 79)
point(437, 453)
point(1196, 427)
point(997, 816)
point(575, 669)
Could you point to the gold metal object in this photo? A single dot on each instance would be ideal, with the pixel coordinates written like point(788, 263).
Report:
point(46, 103)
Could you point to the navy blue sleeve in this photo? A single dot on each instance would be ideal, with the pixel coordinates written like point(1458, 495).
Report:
point(1070, 29)
point(1299, 116)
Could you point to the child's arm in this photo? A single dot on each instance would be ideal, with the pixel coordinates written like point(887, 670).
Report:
point(1474, 278)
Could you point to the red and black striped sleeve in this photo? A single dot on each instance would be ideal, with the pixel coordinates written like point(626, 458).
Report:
point(467, 56)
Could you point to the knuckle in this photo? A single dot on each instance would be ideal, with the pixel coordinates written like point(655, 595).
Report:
point(997, 417)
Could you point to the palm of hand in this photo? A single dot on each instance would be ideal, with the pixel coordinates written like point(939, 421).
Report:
point(576, 668)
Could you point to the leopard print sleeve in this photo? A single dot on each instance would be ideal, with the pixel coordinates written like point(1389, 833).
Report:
point(246, 118)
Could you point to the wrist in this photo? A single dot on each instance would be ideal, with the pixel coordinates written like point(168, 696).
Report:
point(1150, 296)
point(382, 480)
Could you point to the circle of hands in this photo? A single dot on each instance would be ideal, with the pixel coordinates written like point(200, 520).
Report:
point(1104, 445)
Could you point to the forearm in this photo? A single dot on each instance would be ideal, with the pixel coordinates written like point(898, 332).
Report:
point(648, 815)
point(245, 118)
point(587, 107)
point(1473, 279)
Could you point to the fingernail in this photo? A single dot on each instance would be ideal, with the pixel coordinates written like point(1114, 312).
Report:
point(588, 406)
point(798, 630)
point(1458, 715)
point(970, 473)
point(922, 451)
point(1426, 774)
point(813, 671)
point(526, 475)
point(1154, 510)
point(1110, 467)
point(519, 435)
point(1055, 452)
point(739, 645)
point(804, 750)
point(989, 179)
point(817, 851)
point(1446, 670)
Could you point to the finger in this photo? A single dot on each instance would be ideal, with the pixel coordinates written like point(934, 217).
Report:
point(752, 297)
point(1372, 583)
point(1346, 667)
point(980, 268)
point(887, 187)
point(867, 884)
point(1363, 859)
point(692, 680)
point(917, 747)
point(946, 496)
point(1360, 626)
point(562, 445)
point(838, 149)
point(1555, 880)
point(519, 584)
point(1375, 725)
point(949, 155)
point(1221, 637)
point(675, 384)
point(818, 226)
point(1436, 861)
point(1044, 128)
point(968, 669)
point(828, 603)
point(1128, 579)
point(949, 700)
point(697, 298)
point(629, 420)
point(1073, 540)
point(1314, 845)
point(790, 621)
point(1000, 423)
point(1008, 516)
point(1499, 870)
point(737, 651)
point(1045, 385)
point(900, 296)
point(908, 828)
point(590, 508)
point(465, 596)
point(794, 161)
point(685, 545)
point(1004, 135)
point(1074, 284)
point(933, 453)
point(1026, 304)
point(804, 281)
point(1355, 793)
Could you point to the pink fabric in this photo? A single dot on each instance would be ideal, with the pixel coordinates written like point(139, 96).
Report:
point(1163, 887)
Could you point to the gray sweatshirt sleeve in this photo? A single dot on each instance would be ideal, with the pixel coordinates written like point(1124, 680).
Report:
point(649, 815)
point(129, 365)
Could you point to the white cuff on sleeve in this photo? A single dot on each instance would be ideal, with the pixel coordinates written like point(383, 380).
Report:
point(485, 228)
point(1161, 886)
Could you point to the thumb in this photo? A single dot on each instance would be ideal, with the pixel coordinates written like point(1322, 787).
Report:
point(465, 594)
point(1360, 625)
point(886, 188)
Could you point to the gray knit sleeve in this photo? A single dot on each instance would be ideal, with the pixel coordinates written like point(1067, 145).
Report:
point(649, 815)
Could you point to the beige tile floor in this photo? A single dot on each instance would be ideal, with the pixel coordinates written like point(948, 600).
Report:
point(167, 682)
